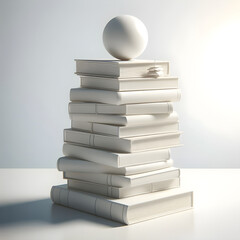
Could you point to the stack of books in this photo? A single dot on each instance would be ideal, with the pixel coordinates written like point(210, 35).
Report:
point(117, 153)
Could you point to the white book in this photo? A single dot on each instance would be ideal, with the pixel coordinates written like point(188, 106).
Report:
point(125, 181)
point(127, 210)
point(113, 159)
point(125, 131)
point(116, 192)
point(121, 69)
point(120, 98)
point(128, 145)
point(124, 120)
point(129, 84)
point(70, 164)
point(128, 109)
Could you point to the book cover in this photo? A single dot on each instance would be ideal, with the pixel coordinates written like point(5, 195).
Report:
point(123, 192)
point(123, 120)
point(70, 164)
point(117, 68)
point(125, 131)
point(129, 84)
point(128, 109)
point(125, 181)
point(127, 210)
point(127, 145)
point(114, 159)
point(120, 98)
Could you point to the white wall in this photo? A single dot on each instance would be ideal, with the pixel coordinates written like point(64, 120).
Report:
point(40, 39)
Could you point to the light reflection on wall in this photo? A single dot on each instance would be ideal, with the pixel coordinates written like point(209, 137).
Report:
point(217, 84)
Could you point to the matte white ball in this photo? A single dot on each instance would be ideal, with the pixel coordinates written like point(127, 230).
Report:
point(125, 37)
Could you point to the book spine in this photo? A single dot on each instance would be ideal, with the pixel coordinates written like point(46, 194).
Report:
point(114, 143)
point(76, 165)
point(68, 164)
point(120, 98)
point(80, 125)
point(129, 84)
point(93, 188)
point(99, 118)
point(75, 107)
point(125, 131)
point(100, 178)
point(89, 203)
point(79, 137)
point(90, 154)
point(96, 108)
point(115, 192)
point(89, 68)
point(99, 141)
point(92, 95)
point(129, 109)
point(100, 83)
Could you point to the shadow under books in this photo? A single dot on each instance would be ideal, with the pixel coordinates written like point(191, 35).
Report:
point(44, 211)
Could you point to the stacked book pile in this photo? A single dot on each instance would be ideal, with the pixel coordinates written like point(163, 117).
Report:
point(117, 153)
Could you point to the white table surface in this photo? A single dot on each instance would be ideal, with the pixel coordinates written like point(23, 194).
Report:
point(26, 212)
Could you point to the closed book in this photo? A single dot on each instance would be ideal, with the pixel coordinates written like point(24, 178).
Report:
point(125, 131)
point(129, 84)
point(128, 109)
point(114, 159)
point(70, 164)
point(123, 192)
point(121, 69)
point(120, 98)
point(123, 120)
point(127, 210)
point(125, 181)
point(128, 145)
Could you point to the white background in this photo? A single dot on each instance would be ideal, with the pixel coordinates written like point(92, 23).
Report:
point(40, 39)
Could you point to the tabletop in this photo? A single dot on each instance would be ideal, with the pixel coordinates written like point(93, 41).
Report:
point(26, 211)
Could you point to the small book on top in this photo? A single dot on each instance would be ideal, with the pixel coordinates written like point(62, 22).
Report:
point(120, 69)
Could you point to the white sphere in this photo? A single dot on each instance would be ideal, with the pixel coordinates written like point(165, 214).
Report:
point(125, 37)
